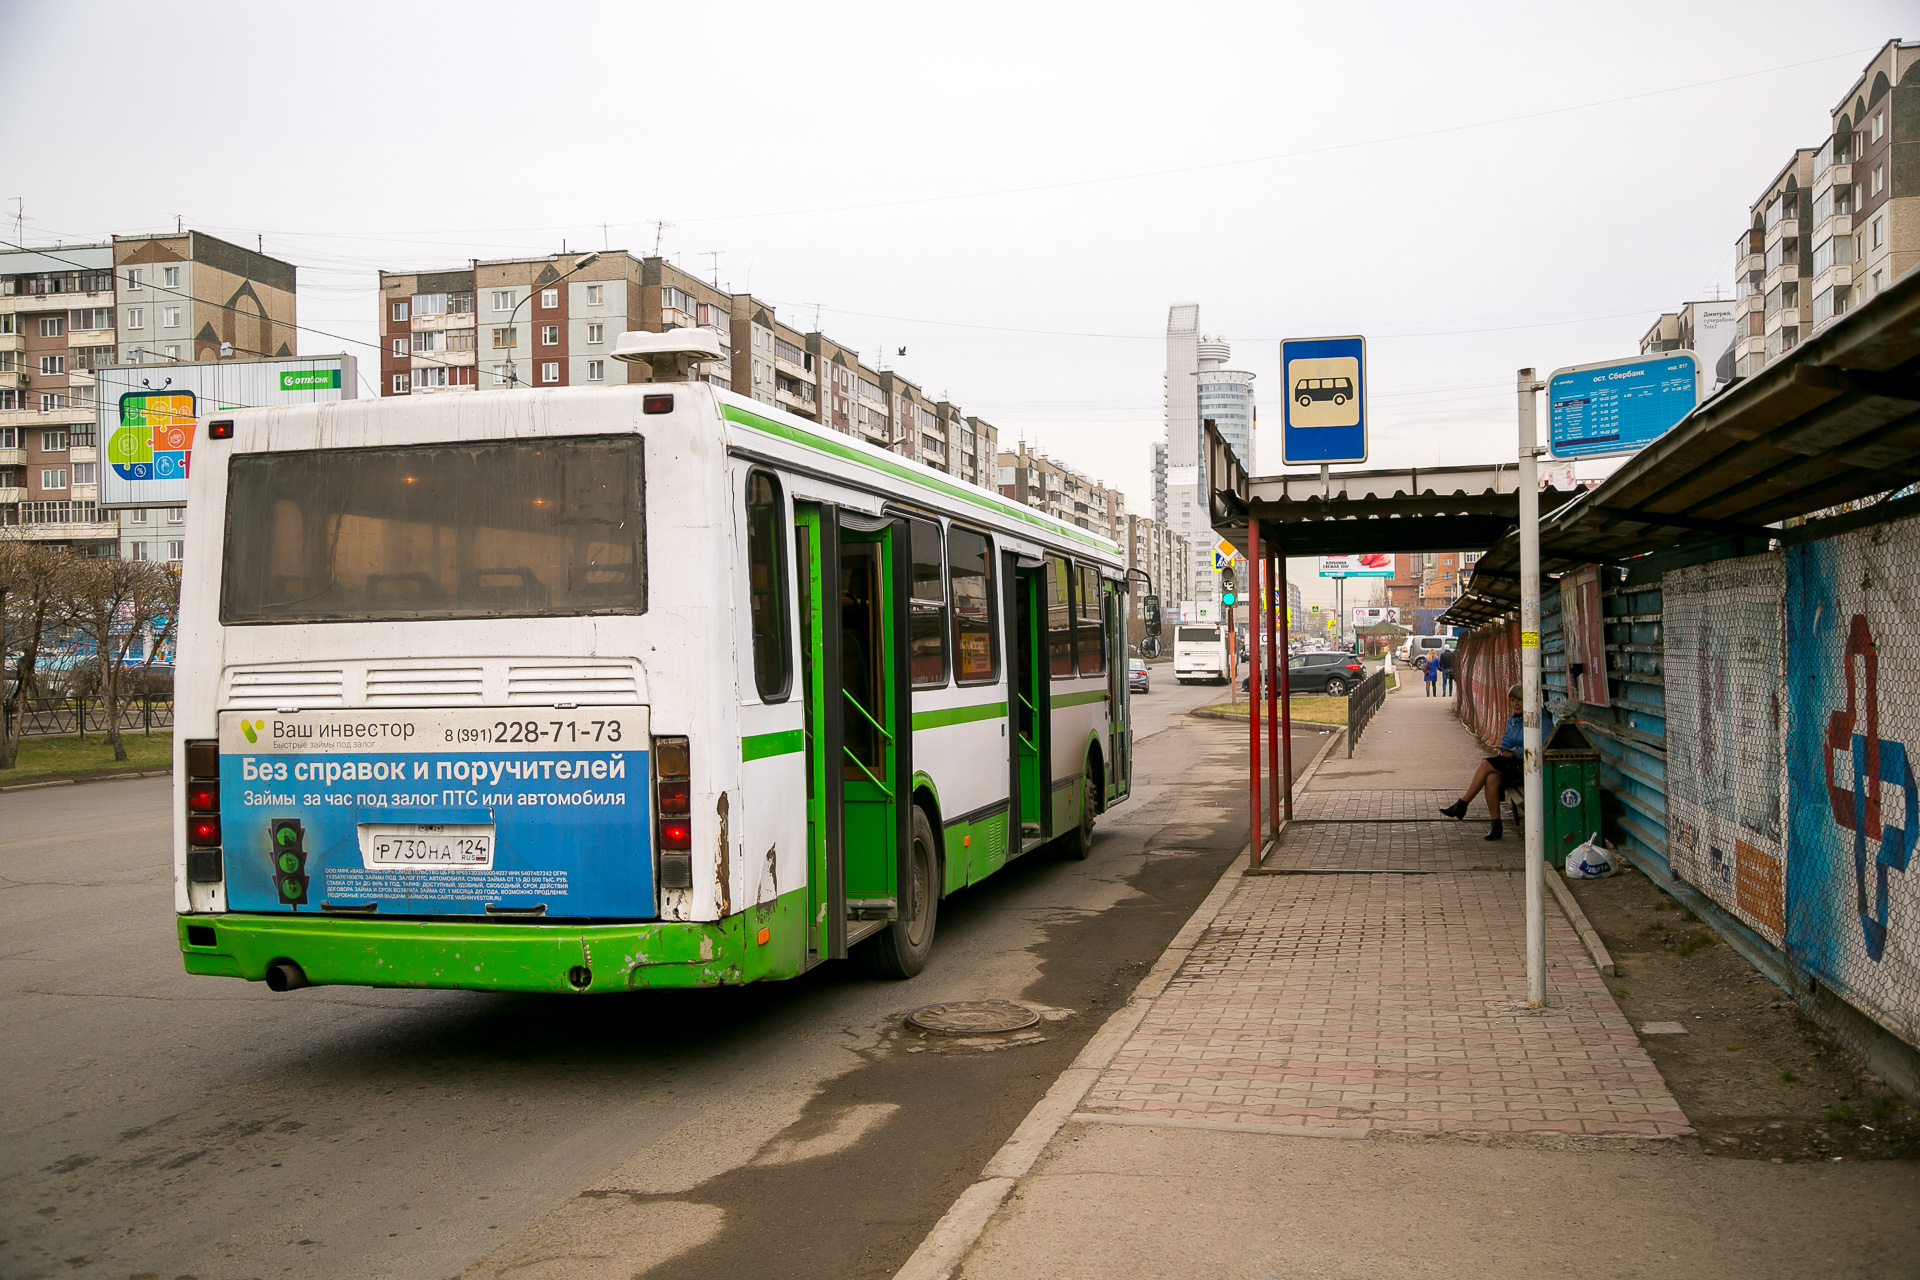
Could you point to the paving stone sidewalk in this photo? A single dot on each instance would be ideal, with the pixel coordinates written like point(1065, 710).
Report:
point(1352, 997)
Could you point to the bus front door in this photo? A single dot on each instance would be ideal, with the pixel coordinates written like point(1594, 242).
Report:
point(1032, 781)
point(858, 739)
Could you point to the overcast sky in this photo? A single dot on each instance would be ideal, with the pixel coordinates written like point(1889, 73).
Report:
point(1013, 192)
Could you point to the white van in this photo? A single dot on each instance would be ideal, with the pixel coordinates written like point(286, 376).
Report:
point(1415, 650)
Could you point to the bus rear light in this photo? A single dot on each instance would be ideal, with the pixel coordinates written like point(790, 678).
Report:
point(220, 429)
point(203, 759)
point(676, 834)
point(203, 832)
point(203, 797)
point(673, 797)
point(660, 402)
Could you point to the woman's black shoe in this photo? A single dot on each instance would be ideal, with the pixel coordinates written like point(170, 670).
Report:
point(1496, 831)
point(1457, 810)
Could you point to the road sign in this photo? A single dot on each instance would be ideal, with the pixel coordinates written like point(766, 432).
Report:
point(1373, 564)
point(1619, 406)
point(1224, 554)
point(1324, 418)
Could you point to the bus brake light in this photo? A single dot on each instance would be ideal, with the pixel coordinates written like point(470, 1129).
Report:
point(204, 832)
point(676, 834)
point(203, 797)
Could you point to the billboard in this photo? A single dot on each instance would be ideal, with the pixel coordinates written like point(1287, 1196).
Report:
point(148, 415)
point(1372, 564)
point(1373, 615)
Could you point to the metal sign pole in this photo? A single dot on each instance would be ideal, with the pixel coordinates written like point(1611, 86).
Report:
point(1527, 387)
point(1270, 677)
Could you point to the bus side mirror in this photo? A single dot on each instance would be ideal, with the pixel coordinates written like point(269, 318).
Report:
point(1150, 613)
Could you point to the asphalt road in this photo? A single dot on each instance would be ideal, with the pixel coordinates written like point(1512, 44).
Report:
point(172, 1126)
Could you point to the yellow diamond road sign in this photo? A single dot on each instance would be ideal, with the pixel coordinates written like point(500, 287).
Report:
point(1223, 555)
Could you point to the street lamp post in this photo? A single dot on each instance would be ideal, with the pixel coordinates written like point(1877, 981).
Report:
point(513, 320)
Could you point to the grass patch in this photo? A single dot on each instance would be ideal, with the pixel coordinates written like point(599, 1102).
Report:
point(1883, 1106)
point(42, 756)
point(1838, 1115)
point(1699, 941)
point(1318, 710)
point(1788, 1076)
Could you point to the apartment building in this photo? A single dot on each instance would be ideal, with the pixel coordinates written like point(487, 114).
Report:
point(67, 311)
point(1164, 555)
point(1045, 485)
point(1428, 580)
point(1707, 329)
point(552, 321)
point(1865, 219)
point(1836, 225)
point(536, 322)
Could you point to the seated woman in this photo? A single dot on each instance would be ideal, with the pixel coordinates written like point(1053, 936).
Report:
point(1498, 772)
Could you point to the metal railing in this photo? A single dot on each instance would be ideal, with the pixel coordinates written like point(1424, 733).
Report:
point(56, 717)
point(1363, 702)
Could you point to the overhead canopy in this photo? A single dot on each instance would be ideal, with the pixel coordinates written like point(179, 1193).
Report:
point(1405, 509)
point(1835, 421)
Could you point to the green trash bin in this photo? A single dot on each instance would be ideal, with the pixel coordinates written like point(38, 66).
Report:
point(1570, 781)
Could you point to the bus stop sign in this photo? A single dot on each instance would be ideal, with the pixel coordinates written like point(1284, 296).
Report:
point(1325, 415)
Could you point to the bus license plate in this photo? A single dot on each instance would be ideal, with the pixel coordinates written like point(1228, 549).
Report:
point(423, 845)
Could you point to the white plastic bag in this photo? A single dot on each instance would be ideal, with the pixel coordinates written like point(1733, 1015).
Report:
point(1591, 861)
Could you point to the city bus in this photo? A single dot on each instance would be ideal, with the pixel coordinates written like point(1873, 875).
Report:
point(598, 690)
point(1200, 652)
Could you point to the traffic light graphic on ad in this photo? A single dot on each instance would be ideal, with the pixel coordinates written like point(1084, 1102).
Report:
point(289, 840)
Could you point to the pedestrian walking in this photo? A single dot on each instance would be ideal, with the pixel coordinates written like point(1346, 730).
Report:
point(1446, 671)
point(1431, 673)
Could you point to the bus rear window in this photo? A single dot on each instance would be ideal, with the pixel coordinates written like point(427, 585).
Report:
point(1197, 635)
point(512, 528)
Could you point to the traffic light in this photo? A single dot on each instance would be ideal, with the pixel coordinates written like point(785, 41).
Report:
point(289, 839)
point(1227, 593)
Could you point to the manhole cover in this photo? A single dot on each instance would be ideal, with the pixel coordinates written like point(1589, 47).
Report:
point(973, 1017)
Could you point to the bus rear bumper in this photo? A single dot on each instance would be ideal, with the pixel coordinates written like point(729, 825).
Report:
point(467, 955)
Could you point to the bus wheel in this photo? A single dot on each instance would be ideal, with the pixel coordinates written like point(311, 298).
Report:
point(1079, 843)
point(901, 949)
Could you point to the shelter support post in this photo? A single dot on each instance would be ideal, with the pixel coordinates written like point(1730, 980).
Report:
point(1254, 826)
point(1279, 719)
point(1527, 387)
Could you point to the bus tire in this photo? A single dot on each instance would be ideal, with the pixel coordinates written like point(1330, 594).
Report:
point(901, 949)
point(1079, 841)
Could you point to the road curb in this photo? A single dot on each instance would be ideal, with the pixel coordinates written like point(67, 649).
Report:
point(77, 782)
point(947, 1245)
point(1589, 936)
point(1208, 713)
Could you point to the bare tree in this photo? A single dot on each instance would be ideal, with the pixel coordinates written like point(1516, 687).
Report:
point(35, 580)
point(115, 605)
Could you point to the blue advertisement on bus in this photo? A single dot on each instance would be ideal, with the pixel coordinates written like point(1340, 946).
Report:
point(508, 812)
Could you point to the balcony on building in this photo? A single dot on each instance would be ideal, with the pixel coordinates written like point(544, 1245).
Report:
point(13, 342)
point(1830, 165)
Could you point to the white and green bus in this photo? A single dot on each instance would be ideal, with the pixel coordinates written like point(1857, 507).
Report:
point(610, 689)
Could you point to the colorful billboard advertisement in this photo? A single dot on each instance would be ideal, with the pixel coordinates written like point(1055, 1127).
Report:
point(1373, 564)
point(149, 415)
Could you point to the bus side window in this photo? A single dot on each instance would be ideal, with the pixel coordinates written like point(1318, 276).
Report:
point(927, 608)
point(970, 583)
point(767, 588)
point(1059, 617)
point(1090, 625)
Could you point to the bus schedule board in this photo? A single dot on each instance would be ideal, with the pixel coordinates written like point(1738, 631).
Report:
point(1619, 406)
point(512, 811)
point(1324, 417)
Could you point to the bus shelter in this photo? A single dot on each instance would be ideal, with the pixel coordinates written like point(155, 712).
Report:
point(1268, 518)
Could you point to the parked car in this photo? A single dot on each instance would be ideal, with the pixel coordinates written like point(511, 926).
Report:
point(1334, 674)
point(1415, 650)
point(1137, 678)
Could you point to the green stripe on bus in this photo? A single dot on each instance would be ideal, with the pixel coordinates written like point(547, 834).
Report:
point(758, 746)
point(898, 471)
point(1076, 699)
point(958, 715)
